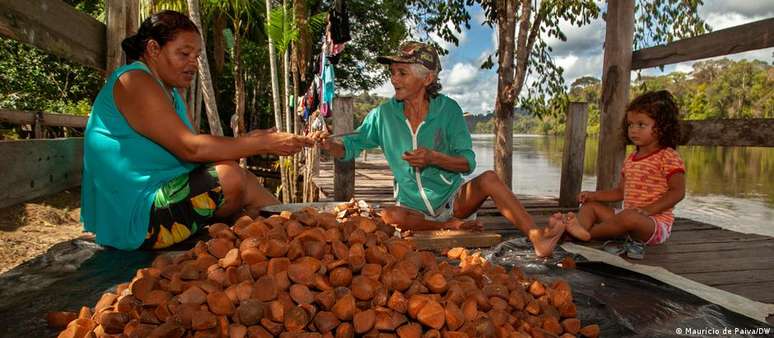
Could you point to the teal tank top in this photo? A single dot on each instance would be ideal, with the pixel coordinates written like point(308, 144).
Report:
point(122, 170)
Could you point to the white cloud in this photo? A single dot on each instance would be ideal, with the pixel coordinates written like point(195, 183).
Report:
point(584, 40)
point(384, 90)
point(763, 8)
point(720, 21)
point(461, 73)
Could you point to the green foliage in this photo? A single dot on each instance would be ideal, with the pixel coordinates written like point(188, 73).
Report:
point(377, 28)
point(281, 27)
point(363, 104)
point(33, 80)
point(715, 89)
point(662, 21)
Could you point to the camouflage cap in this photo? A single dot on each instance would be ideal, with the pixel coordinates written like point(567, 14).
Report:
point(414, 52)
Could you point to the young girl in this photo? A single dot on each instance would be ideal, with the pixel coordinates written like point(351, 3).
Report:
point(652, 179)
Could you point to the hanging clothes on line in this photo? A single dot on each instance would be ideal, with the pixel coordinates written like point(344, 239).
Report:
point(327, 88)
point(320, 94)
point(339, 22)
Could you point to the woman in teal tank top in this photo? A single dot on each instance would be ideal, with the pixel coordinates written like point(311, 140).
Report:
point(148, 179)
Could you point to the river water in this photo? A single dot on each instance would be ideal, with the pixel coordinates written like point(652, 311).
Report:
point(731, 187)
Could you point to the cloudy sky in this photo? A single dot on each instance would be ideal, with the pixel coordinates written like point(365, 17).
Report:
point(581, 55)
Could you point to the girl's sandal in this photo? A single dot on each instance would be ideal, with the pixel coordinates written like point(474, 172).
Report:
point(614, 247)
point(635, 249)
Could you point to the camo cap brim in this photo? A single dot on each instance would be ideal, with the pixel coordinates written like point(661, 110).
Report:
point(414, 52)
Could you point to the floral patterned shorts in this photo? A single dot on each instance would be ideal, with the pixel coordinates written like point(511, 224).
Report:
point(182, 206)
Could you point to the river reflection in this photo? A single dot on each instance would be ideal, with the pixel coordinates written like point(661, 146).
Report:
point(731, 187)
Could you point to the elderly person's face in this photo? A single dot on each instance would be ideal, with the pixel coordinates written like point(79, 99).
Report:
point(407, 82)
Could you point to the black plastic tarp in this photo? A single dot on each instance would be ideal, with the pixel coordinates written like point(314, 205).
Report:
point(623, 303)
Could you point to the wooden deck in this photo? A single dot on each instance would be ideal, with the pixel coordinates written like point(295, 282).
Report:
point(738, 263)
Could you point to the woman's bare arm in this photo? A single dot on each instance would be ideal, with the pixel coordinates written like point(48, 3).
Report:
point(149, 110)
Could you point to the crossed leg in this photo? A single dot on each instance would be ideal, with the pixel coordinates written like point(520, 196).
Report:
point(598, 221)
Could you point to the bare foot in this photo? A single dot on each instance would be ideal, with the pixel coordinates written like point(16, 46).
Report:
point(458, 224)
point(575, 229)
point(545, 239)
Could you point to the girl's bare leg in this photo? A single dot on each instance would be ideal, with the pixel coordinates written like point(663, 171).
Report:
point(578, 225)
point(636, 225)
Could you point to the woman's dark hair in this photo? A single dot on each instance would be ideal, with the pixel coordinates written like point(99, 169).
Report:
point(661, 107)
point(160, 27)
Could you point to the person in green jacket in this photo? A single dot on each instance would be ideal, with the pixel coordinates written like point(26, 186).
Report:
point(149, 180)
point(428, 149)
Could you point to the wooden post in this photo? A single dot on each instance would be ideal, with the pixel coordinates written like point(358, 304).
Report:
point(572, 156)
point(344, 171)
point(116, 32)
point(615, 91)
point(37, 126)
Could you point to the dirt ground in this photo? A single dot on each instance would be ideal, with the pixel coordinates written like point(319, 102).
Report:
point(29, 229)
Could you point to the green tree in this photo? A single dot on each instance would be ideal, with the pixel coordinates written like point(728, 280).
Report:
point(523, 51)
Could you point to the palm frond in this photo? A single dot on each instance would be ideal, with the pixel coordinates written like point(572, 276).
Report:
point(317, 23)
point(281, 27)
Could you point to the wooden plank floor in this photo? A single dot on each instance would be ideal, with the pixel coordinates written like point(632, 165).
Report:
point(731, 261)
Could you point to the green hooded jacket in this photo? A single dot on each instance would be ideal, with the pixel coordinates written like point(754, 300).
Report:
point(443, 130)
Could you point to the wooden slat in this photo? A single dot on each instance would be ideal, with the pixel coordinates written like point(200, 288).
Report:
point(33, 168)
point(49, 119)
point(711, 236)
point(741, 252)
point(714, 265)
point(726, 278)
point(55, 27)
point(751, 36)
point(728, 132)
point(707, 247)
point(445, 239)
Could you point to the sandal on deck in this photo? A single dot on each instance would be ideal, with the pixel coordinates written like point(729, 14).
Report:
point(635, 249)
point(614, 247)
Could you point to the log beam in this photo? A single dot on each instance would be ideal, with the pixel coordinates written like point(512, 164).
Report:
point(742, 38)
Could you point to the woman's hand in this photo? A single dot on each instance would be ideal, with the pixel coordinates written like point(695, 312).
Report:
point(320, 138)
point(420, 158)
point(283, 144)
point(586, 196)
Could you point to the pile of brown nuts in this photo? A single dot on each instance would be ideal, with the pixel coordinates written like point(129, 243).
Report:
point(307, 274)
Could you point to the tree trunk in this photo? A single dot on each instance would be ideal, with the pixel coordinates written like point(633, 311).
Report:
point(219, 44)
point(503, 123)
point(303, 45)
point(239, 85)
point(275, 94)
point(204, 73)
point(288, 190)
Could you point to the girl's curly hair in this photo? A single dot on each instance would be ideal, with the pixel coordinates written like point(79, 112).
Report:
point(660, 106)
